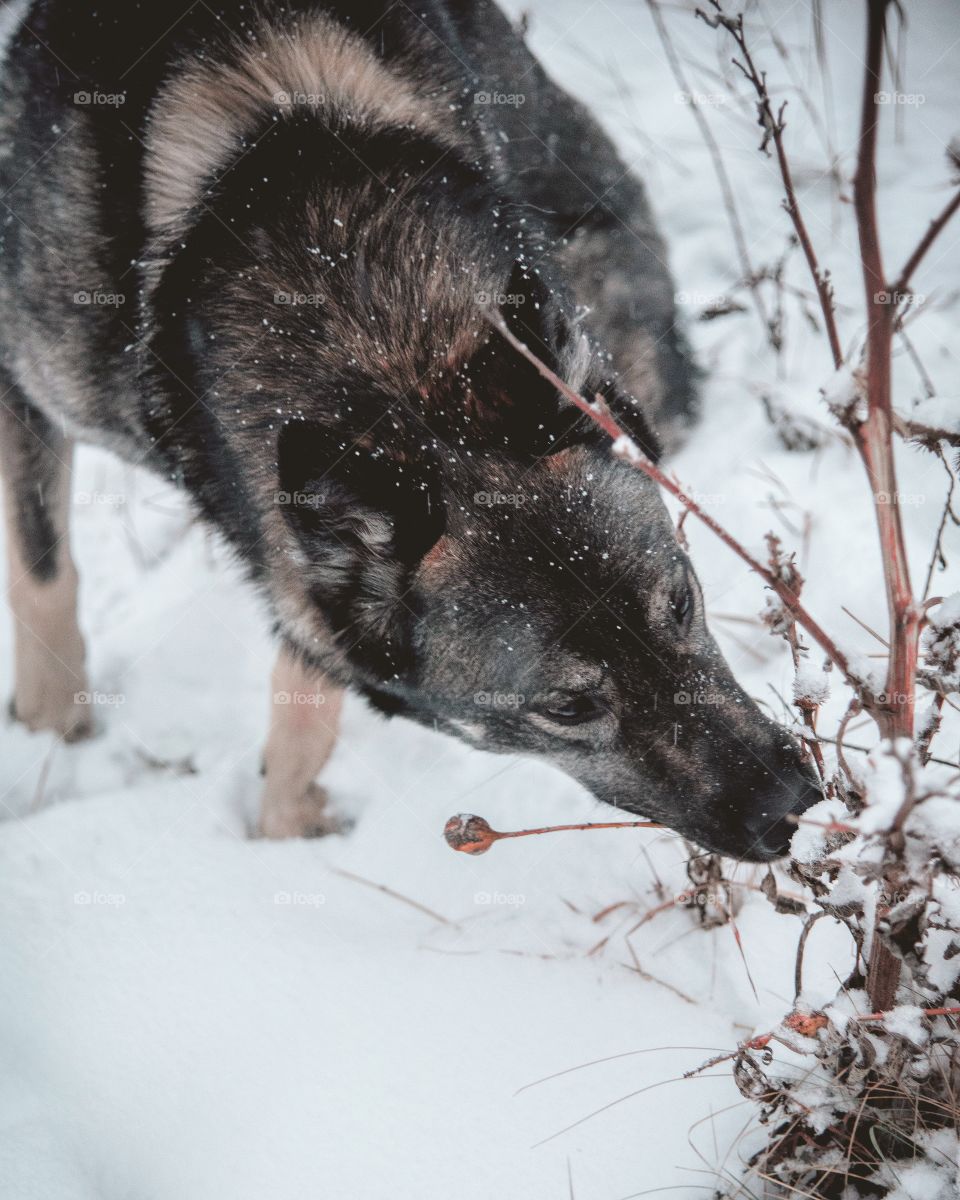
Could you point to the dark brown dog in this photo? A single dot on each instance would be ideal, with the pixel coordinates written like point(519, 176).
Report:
point(253, 249)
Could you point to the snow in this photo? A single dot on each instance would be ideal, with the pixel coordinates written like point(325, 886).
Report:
point(907, 1021)
point(940, 643)
point(849, 892)
point(937, 412)
point(843, 393)
point(936, 823)
point(811, 684)
point(625, 447)
point(814, 830)
point(186, 1012)
point(942, 961)
point(884, 782)
point(947, 613)
point(935, 1177)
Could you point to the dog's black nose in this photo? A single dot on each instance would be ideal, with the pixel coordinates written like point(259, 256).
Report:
point(775, 820)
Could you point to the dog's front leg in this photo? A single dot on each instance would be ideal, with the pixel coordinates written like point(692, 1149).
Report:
point(304, 722)
point(50, 682)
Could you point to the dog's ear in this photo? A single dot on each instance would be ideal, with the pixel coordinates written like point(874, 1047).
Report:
point(363, 520)
point(628, 412)
point(519, 410)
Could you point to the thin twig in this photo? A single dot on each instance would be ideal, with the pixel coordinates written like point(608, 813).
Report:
point(853, 710)
point(808, 925)
point(863, 625)
point(933, 232)
point(471, 834)
point(773, 126)
point(388, 891)
point(726, 188)
point(948, 514)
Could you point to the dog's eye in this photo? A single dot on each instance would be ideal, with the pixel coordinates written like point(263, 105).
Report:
point(573, 709)
point(681, 605)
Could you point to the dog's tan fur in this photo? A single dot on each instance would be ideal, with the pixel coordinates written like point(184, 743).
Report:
point(305, 718)
point(50, 681)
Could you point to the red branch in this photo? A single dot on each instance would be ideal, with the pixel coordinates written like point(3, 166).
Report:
point(626, 449)
point(874, 436)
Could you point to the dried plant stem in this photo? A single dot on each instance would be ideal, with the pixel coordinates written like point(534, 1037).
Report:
point(772, 124)
point(806, 1025)
point(750, 276)
point(853, 710)
point(808, 925)
point(806, 100)
point(388, 891)
point(625, 448)
point(473, 835)
point(893, 709)
point(933, 232)
point(947, 515)
point(874, 436)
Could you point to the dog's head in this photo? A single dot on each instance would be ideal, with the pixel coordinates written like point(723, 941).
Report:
point(488, 568)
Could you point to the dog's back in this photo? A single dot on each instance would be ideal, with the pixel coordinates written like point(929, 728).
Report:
point(84, 93)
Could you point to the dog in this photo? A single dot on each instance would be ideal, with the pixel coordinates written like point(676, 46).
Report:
point(261, 250)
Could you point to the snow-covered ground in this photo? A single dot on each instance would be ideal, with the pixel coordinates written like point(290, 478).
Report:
point(189, 1013)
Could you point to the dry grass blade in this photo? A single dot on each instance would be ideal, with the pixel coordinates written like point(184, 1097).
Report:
point(389, 891)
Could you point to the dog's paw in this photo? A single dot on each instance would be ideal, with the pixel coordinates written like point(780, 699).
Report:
point(64, 715)
point(307, 816)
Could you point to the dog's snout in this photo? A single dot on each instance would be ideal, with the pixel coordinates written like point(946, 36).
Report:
point(774, 820)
